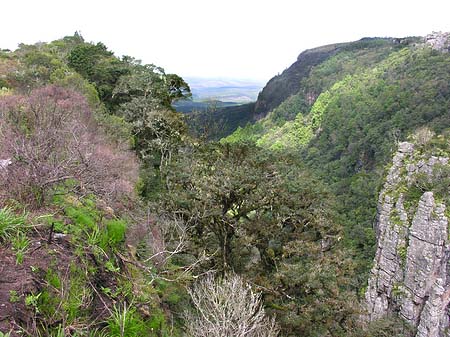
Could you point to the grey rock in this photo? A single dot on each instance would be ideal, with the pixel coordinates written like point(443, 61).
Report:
point(405, 147)
point(59, 236)
point(411, 271)
point(4, 163)
point(438, 41)
point(434, 310)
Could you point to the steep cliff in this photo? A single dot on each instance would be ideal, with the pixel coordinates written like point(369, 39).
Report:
point(289, 81)
point(411, 272)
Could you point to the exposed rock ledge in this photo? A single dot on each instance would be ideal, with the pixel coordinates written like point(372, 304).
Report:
point(410, 275)
point(438, 41)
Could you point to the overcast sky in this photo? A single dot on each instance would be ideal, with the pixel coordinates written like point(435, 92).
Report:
point(247, 39)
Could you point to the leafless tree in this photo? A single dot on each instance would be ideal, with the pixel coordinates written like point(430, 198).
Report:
point(227, 308)
point(51, 136)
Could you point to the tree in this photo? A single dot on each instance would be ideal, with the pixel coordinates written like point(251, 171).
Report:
point(152, 85)
point(99, 65)
point(218, 189)
point(227, 307)
point(265, 216)
point(147, 94)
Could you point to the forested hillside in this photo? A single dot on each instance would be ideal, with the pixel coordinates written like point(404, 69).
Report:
point(348, 116)
point(118, 218)
point(300, 84)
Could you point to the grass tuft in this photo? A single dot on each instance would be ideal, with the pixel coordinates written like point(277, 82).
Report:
point(10, 223)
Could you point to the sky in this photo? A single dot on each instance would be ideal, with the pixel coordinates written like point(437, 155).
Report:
point(244, 39)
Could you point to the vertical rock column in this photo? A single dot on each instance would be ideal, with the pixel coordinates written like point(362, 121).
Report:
point(411, 271)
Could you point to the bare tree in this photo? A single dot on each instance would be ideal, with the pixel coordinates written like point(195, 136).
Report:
point(227, 308)
point(51, 136)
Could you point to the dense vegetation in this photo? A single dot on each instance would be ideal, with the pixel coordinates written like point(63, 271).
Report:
point(116, 221)
point(366, 98)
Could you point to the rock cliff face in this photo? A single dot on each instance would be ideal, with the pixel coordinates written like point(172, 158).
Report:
point(411, 272)
point(289, 82)
point(439, 41)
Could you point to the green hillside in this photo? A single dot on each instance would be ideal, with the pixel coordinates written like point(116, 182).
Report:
point(348, 115)
point(121, 217)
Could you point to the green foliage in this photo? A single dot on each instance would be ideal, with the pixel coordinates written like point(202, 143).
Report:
point(266, 203)
point(287, 111)
point(95, 63)
point(20, 245)
point(88, 223)
point(10, 223)
point(250, 133)
point(238, 198)
point(116, 128)
point(438, 183)
point(78, 294)
point(65, 296)
point(116, 229)
point(32, 300)
point(289, 136)
point(147, 94)
point(386, 327)
point(352, 58)
point(215, 123)
point(13, 296)
point(117, 91)
point(125, 322)
point(367, 102)
point(53, 278)
point(402, 252)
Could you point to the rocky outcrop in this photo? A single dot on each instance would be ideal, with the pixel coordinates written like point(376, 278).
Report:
point(411, 271)
point(289, 82)
point(438, 41)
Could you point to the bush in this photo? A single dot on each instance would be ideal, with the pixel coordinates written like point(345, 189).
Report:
point(227, 307)
point(52, 136)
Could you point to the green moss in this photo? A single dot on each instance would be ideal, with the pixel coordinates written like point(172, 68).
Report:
point(402, 253)
point(397, 290)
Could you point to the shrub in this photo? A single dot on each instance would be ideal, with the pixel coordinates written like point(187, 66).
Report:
point(52, 136)
point(227, 307)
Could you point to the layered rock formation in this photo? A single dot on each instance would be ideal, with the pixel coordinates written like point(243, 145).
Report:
point(411, 271)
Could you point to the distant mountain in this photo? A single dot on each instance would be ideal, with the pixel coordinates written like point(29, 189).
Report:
point(225, 90)
point(187, 106)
